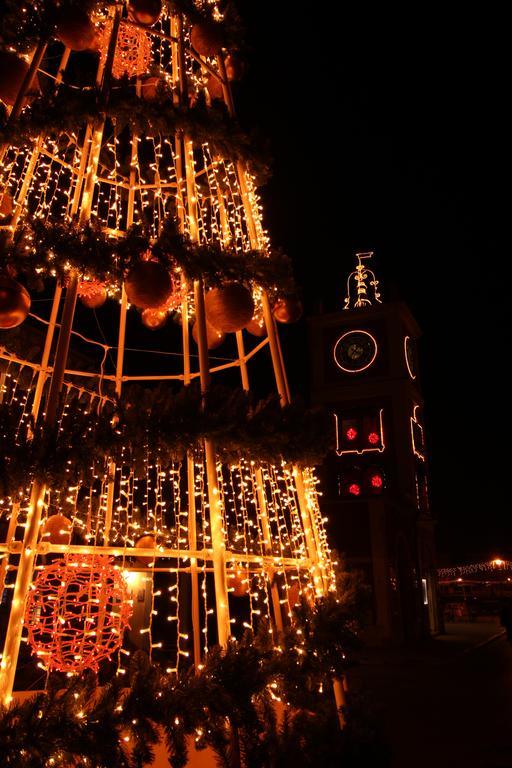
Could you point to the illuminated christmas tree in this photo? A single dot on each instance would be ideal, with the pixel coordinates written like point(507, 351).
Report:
point(128, 198)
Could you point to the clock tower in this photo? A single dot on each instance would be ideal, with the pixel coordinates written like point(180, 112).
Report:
point(375, 483)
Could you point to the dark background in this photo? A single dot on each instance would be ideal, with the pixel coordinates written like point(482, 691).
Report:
point(387, 132)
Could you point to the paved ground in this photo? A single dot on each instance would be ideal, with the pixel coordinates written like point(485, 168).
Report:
point(448, 703)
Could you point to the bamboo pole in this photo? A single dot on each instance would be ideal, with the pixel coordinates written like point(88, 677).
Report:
point(20, 201)
point(179, 81)
point(216, 524)
point(121, 340)
point(25, 87)
point(43, 372)
point(29, 551)
point(267, 546)
point(260, 494)
point(44, 548)
point(216, 527)
point(9, 537)
point(41, 379)
point(308, 520)
point(340, 699)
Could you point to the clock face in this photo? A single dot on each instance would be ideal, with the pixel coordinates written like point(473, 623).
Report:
point(355, 351)
point(410, 358)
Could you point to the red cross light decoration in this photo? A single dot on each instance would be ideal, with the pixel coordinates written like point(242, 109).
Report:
point(77, 612)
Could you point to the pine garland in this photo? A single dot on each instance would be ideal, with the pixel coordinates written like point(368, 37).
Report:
point(172, 425)
point(70, 109)
point(40, 249)
point(227, 706)
point(23, 29)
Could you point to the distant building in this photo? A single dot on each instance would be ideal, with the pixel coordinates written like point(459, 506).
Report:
point(364, 368)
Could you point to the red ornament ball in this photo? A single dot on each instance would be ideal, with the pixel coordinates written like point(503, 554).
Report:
point(256, 326)
point(207, 38)
point(57, 530)
point(238, 582)
point(12, 74)
point(14, 302)
point(229, 308)
point(214, 87)
point(77, 613)
point(214, 338)
point(154, 318)
point(148, 285)
point(145, 542)
point(146, 12)
point(92, 294)
point(287, 310)
point(75, 29)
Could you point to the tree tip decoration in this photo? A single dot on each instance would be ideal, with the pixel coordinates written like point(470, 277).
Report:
point(77, 612)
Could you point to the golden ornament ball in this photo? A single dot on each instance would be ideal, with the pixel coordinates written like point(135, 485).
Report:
point(287, 310)
point(14, 302)
point(214, 338)
point(146, 12)
point(154, 318)
point(145, 542)
point(148, 285)
point(214, 87)
point(229, 308)
point(75, 29)
point(238, 582)
point(57, 530)
point(93, 297)
point(12, 74)
point(256, 326)
point(207, 38)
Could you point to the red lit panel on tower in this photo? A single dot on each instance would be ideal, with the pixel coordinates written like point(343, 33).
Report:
point(359, 432)
point(374, 480)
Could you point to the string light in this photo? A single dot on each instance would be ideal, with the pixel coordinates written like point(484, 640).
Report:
point(272, 531)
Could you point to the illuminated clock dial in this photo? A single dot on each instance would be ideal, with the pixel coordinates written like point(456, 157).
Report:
point(355, 351)
point(410, 358)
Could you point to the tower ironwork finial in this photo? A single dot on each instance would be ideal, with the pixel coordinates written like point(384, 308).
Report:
point(362, 285)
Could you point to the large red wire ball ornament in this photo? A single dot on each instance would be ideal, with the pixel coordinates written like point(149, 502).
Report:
point(77, 611)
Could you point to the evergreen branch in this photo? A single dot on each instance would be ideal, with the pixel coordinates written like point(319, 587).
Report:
point(171, 424)
point(41, 250)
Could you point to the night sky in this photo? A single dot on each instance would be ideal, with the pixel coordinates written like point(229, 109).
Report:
point(388, 133)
